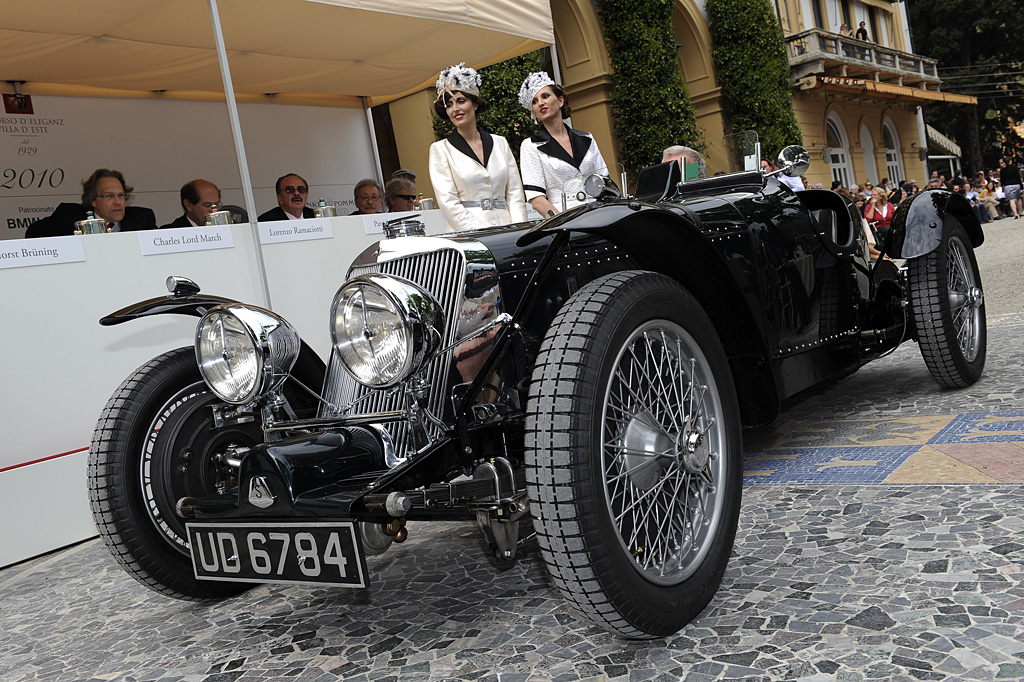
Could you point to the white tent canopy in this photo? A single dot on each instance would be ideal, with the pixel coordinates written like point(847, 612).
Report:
point(335, 51)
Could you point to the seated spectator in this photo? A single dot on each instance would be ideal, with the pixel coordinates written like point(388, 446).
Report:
point(871, 251)
point(837, 185)
point(105, 194)
point(685, 155)
point(970, 192)
point(198, 199)
point(292, 191)
point(400, 194)
point(987, 197)
point(367, 195)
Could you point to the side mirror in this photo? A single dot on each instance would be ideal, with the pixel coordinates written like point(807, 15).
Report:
point(794, 160)
point(601, 188)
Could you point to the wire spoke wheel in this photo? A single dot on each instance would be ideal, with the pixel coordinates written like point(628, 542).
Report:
point(661, 451)
point(965, 299)
point(948, 306)
point(634, 454)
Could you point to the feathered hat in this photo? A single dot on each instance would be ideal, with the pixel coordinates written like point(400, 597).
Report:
point(531, 86)
point(459, 77)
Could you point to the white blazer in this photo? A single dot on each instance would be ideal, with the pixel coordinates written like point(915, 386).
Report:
point(548, 170)
point(458, 176)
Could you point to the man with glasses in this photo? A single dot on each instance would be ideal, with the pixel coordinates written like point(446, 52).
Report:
point(105, 194)
point(198, 199)
point(368, 196)
point(400, 194)
point(292, 192)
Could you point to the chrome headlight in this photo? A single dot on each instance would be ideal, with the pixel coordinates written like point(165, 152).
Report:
point(245, 352)
point(385, 328)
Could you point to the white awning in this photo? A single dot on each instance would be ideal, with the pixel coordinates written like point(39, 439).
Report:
point(942, 142)
point(335, 51)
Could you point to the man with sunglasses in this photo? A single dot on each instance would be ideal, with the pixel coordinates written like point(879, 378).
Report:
point(400, 194)
point(105, 194)
point(368, 196)
point(292, 192)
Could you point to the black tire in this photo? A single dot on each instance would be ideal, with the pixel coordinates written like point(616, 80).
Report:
point(948, 307)
point(155, 443)
point(613, 380)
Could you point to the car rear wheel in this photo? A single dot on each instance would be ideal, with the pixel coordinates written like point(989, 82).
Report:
point(948, 305)
point(634, 463)
point(156, 442)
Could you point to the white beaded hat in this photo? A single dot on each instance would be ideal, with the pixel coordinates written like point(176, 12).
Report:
point(459, 77)
point(531, 86)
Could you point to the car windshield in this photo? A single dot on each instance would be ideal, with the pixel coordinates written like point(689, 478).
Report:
point(729, 154)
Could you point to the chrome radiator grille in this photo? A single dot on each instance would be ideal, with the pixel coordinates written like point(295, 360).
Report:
point(440, 272)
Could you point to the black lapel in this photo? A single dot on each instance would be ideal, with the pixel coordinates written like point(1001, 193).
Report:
point(579, 141)
point(459, 142)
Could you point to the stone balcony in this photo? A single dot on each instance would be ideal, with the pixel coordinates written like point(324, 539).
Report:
point(821, 53)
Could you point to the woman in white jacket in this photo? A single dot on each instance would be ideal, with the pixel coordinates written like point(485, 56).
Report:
point(556, 159)
point(473, 173)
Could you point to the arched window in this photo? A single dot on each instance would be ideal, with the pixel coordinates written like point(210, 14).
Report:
point(838, 151)
point(870, 168)
point(893, 157)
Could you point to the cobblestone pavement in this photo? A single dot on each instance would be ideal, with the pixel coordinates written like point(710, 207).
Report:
point(880, 539)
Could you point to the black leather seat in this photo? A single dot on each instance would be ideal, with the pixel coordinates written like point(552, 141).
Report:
point(655, 183)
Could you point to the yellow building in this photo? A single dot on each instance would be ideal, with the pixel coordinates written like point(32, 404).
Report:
point(857, 102)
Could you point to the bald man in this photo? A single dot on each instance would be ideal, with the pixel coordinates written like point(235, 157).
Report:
point(197, 199)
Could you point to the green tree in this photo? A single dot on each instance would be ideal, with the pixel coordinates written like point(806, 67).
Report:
point(979, 54)
point(500, 87)
point(752, 69)
point(650, 103)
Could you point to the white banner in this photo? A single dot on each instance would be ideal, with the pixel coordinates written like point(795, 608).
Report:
point(49, 147)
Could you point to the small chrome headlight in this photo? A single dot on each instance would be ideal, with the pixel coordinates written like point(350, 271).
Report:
point(245, 352)
point(384, 328)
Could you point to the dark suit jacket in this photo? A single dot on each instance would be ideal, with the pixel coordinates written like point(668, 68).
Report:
point(180, 221)
point(277, 213)
point(62, 221)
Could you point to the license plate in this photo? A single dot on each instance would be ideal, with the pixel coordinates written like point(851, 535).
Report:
point(313, 553)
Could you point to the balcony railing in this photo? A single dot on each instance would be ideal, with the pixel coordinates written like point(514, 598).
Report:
point(820, 52)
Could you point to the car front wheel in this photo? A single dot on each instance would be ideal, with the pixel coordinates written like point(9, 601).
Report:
point(634, 454)
point(156, 442)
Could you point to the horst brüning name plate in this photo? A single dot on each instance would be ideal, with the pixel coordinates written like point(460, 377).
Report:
point(20, 253)
point(178, 239)
point(274, 232)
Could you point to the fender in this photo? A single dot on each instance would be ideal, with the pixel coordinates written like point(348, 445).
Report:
point(917, 225)
point(651, 234)
point(186, 300)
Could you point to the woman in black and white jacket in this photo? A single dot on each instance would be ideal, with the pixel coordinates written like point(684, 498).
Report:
point(556, 159)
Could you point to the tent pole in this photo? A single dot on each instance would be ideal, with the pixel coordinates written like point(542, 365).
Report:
point(555, 66)
point(236, 133)
point(373, 146)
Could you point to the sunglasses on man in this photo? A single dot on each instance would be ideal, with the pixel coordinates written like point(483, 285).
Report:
point(289, 189)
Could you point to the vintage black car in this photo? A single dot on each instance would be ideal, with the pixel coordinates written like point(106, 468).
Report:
point(584, 380)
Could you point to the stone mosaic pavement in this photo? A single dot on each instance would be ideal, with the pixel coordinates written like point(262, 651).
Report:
point(881, 538)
